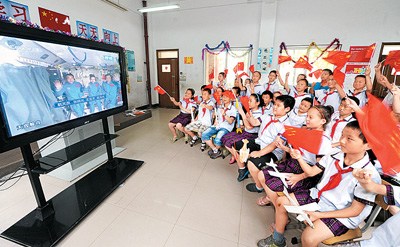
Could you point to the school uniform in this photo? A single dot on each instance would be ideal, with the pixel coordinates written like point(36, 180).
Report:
point(326, 97)
point(267, 110)
point(258, 89)
point(231, 138)
point(297, 96)
point(296, 119)
point(340, 197)
point(184, 118)
point(272, 87)
point(293, 166)
point(222, 127)
point(336, 126)
point(361, 96)
point(204, 118)
point(219, 84)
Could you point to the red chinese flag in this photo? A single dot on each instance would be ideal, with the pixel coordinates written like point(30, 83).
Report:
point(251, 68)
point(243, 74)
point(54, 20)
point(392, 58)
point(396, 66)
point(196, 98)
point(159, 89)
point(303, 64)
point(309, 140)
point(209, 86)
point(282, 59)
point(317, 73)
point(226, 72)
point(338, 58)
point(211, 75)
point(245, 102)
point(315, 102)
point(369, 52)
point(235, 69)
point(382, 134)
point(217, 98)
point(339, 76)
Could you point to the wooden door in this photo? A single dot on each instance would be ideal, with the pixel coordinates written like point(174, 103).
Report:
point(168, 76)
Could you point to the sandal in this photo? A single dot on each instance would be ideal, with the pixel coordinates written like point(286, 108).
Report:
point(263, 201)
point(193, 141)
point(174, 139)
point(203, 147)
point(232, 160)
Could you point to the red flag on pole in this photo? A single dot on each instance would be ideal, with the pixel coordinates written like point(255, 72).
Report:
point(239, 67)
point(245, 102)
point(226, 72)
point(243, 74)
point(338, 58)
point(217, 98)
point(282, 59)
point(339, 76)
point(251, 68)
point(392, 58)
point(209, 86)
point(211, 75)
point(383, 136)
point(317, 73)
point(309, 140)
point(369, 52)
point(160, 90)
point(54, 20)
point(303, 64)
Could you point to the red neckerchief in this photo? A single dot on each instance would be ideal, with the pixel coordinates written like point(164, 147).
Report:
point(268, 124)
point(335, 179)
point(204, 109)
point(326, 96)
point(335, 126)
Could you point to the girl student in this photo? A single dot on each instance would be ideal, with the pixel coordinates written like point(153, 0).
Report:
point(318, 118)
point(221, 81)
point(255, 85)
point(250, 131)
point(343, 202)
point(186, 106)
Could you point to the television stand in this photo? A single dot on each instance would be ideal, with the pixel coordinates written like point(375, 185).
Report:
point(53, 219)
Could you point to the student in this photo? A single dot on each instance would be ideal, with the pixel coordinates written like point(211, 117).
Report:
point(267, 98)
point(250, 131)
point(297, 117)
point(344, 203)
point(326, 73)
point(94, 89)
point(298, 92)
point(204, 118)
point(263, 149)
point(221, 81)
point(73, 90)
point(275, 95)
point(236, 92)
point(272, 85)
point(340, 118)
point(332, 96)
point(255, 86)
point(224, 124)
point(111, 92)
point(239, 83)
point(217, 96)
point(186, 106)
point(361, 85)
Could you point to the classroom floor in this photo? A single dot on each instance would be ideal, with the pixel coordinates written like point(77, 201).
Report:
point(179, 197)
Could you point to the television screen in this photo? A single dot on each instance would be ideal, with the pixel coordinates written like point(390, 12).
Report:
point(48, 82)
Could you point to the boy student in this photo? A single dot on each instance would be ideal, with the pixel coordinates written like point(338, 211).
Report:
point(255, 86)
point(343, 202)
point(267, 98)
point(297, 117)
point(332, 96)
point(203, 119)
point(326, 73)
point(224, 123)
point(298, 91)
point(263, 149)
point(272, 85)
point(361, 85)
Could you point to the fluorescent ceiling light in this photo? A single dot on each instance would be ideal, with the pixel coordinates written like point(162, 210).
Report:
point(159, 8)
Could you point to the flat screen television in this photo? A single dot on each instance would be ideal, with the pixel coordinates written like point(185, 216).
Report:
point(51, 82)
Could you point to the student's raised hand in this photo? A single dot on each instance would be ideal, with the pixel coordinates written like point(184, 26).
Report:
point(368, 71)
point(172, 99)
point(353, 105)
point(295, 154)
point(378, 68)
point(383, 79)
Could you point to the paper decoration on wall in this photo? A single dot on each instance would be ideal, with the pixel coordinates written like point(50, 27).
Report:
point(87, 31)
point(263, 59)
point(110, 37)
point(130, 58)
point(15, 10)
point(188, 60)
point(166, 68)
point(54, 20)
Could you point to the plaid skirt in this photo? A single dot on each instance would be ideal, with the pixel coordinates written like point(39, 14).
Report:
point(229, 139)
point(182, 118)
point(289, 166)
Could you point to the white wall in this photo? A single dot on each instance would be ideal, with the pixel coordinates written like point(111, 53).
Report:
point(129, 25)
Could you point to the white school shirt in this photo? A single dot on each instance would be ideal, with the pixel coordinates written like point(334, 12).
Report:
point(298, 97)
point(267, 136)
point(230, 112)
point(388, 100)
point(219, 84)
point(205, 116)
point(256, 114)
point(386, 234)
point(332, 99)
point(349, 188)
point(272, 87)
point(325, 149)
point(267, 110)
point(296, 119)
point(361, 96)
point(339, 127)
point(188, 105)
point(258, 89)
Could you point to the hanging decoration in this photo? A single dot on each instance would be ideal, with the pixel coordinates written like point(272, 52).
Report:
point(334, 45)
point(224, 45)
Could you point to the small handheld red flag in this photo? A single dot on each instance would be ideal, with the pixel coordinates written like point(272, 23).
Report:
point(196, 98)
point(317, 73)
point(338, 58)
point(392, 58)
point(369, 52)
point(226, 71)
point(160, 90)
point(309, 140)
point(243, 74)
point(209, 86)
point(282, 59)
point(251, 68)
point(303, 64)
point(211, 75)
point(239, 67)
point(339, 76)
point(245, 102)
point(382, 134)
point(217, 98)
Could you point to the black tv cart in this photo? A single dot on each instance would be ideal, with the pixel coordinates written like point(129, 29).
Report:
point(53, 219)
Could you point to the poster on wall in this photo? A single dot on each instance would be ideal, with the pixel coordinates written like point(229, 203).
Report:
point(87, 31)
point(188, 60)
point(54, 20)
point(15, 10)
point(264, 59)
point(110, 37)
point(130, 58)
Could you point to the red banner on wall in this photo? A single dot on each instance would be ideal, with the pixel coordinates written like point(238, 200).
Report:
point(54, 20)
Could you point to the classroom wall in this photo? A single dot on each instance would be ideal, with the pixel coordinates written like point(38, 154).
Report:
point(128, 24)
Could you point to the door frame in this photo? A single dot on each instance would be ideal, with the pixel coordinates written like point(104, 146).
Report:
point(158, 60)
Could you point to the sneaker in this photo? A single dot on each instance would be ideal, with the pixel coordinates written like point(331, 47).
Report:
point(216, 155)
point(253, 188)
point(243, 174)
point(203, 147)
point(192, 142)
point(210, 152)
point(270, 242)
